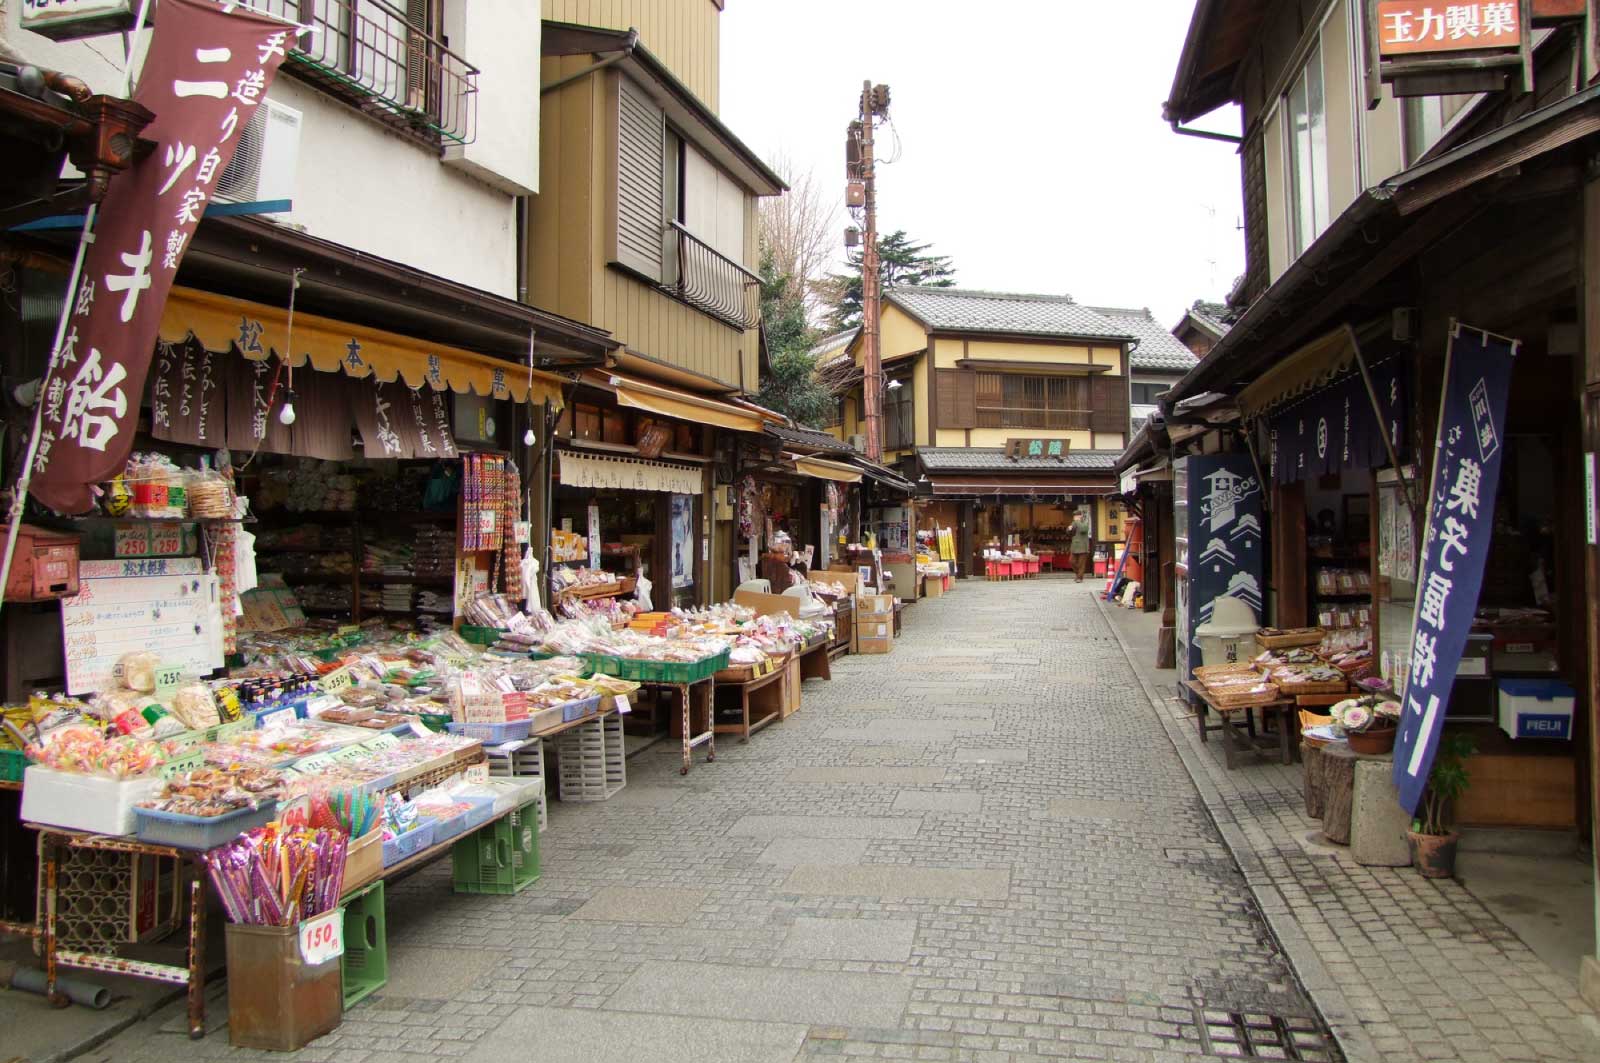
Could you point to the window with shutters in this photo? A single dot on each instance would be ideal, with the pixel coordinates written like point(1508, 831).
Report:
point(1015, 400)
point(679, 220)
point(390, 59)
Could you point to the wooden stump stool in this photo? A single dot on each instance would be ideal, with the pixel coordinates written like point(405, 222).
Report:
point(1338, 792)
point(1311, 758)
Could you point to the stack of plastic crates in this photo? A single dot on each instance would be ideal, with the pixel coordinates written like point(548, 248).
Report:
point(524, 763)
point(592, 761)
point(616, 754)
point(501, 858)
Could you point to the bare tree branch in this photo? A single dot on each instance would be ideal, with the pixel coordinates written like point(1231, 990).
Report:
point(800, 229)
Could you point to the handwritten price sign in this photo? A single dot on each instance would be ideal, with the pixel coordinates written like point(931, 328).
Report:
point(322, 938)
point(336, 681)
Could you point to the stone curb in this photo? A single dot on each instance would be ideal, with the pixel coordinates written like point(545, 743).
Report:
point(1321, 989)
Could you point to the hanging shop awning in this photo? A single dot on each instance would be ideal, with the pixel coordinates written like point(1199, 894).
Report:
point(825, 470)
point(982, 487)
point(628, 474)
point(219, 323)
point(670, 402)
point(1307, 369)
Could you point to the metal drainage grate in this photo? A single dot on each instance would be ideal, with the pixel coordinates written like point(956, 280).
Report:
point(1254, 1035)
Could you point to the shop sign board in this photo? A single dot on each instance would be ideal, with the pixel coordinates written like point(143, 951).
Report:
point(1410, 27)
point(1037, 448)
point(1590, 499)
point(1469, 449)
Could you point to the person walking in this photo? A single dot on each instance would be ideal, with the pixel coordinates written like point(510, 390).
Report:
point(1080, 545)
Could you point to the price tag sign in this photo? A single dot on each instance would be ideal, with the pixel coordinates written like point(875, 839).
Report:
point(383, 741)
point(349, 629)
point(336, 680)
point(350, 753)
point(168, 676)
point(315, 762)
point(276, 718)
point(419, 729)
point(322, 938)
point(624, 706)
point(524, 532)
point(130, 540)
point(166, 540)
point(319, 705)
point(478, 772)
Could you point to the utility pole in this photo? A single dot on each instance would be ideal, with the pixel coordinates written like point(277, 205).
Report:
point(860, 169)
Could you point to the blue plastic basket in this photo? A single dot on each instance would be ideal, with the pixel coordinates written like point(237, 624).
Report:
point(493, 732)
point(577, 710)
point(482, 812)
point(198, 832)
point(444, 829)
point(407, 844)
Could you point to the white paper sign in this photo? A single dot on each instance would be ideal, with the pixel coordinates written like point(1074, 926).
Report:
point(322, 938)
point(122, 606)
point(624, 706)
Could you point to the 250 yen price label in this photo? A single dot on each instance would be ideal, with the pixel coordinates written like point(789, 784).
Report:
point(322, 938)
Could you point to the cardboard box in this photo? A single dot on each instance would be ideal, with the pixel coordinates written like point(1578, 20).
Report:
point(875, 646)
point(768, 604)
point(933, 586)
point(874, 629)
point(870, 605)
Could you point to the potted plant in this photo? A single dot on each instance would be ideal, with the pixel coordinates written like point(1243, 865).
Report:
point(1433, 836)
point(1369, 723)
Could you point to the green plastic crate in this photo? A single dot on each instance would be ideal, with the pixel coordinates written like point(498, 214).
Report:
point(365, 965)
point(501, 858)
point(13, 762)
point(480, 636)
point(656, 671)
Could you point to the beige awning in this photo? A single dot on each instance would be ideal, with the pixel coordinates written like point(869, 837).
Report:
point(256, 331)
point(1307, 369)
point(823, 469)
point(669, 402)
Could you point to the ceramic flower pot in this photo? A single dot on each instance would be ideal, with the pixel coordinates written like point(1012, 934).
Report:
point(1374, 741)
point(1434, 854)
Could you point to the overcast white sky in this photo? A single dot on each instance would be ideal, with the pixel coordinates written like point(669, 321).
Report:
point(1032, 146)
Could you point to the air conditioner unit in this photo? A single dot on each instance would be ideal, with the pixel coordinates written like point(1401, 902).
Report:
point(857, 443)
point(263, 164)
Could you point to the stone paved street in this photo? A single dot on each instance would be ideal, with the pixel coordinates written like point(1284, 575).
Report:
point(983, 847)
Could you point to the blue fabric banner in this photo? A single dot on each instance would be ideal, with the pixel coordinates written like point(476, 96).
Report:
point(1466, 473)
point(1335, 428)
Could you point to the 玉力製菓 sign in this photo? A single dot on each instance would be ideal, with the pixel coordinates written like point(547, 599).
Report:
point(1407, 27)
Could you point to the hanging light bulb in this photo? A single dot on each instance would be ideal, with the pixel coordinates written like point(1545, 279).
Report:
point(286, 415)
point(528, 437)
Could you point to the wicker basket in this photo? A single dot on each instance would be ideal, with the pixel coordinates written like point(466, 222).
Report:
point(1330, 686)
point(1285, 640)
point(1244, 700)
point(1212, 671)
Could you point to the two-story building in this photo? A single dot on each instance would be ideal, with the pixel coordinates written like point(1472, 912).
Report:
point(1007, 409)
point(1388, 200)
point(645, 226)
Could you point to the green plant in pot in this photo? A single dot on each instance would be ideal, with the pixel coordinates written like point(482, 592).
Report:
point(1433, 834)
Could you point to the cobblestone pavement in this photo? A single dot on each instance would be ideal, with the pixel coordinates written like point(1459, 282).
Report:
point(982, 847)
point(1402, 967)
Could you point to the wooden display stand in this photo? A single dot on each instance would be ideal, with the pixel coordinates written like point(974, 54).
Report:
point(766, 694)
point(1235, 741)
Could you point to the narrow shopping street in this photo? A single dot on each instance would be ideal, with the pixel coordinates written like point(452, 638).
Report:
point(980, 847)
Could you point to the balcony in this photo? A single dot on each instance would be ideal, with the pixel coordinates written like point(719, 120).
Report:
point(371, 55)
point(713, 283)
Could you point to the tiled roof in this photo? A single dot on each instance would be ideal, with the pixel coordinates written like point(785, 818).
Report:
point(808, 437)
point(993, 459)
point(829, 346)
point(966, 310)
point(1212, 317)
point(1158, 348)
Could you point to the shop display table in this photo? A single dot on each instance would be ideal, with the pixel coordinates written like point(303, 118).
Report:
point(697, 700)
point(1235, 741)
point(764, 693)
point(814, 663)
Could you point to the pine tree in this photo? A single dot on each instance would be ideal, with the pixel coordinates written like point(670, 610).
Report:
point(791, 385)
point(901, 261)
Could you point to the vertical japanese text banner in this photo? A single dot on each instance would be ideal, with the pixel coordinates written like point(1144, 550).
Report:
point(206, 72)
point(1466, 473)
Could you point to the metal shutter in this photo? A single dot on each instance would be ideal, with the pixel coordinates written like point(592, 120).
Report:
point(641, 134)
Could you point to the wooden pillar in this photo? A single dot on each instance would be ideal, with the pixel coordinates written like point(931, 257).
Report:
point(1289, 555)
point(1589, 975)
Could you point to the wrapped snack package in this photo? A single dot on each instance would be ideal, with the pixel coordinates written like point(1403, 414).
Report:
point(194, 706)
point(138, 670)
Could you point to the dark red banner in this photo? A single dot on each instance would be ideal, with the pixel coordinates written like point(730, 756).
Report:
point(206, 72)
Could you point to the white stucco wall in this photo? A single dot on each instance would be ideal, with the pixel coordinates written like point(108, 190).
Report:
point(502, 39)
point(359, 185)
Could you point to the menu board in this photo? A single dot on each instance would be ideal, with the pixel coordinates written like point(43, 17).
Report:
point(168, 606)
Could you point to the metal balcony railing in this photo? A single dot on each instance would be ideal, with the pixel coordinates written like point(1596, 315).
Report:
point(711, 281)
point(386, 64)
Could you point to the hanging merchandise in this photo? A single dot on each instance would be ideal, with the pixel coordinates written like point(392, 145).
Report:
point(483, 488)
point(510, 508)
